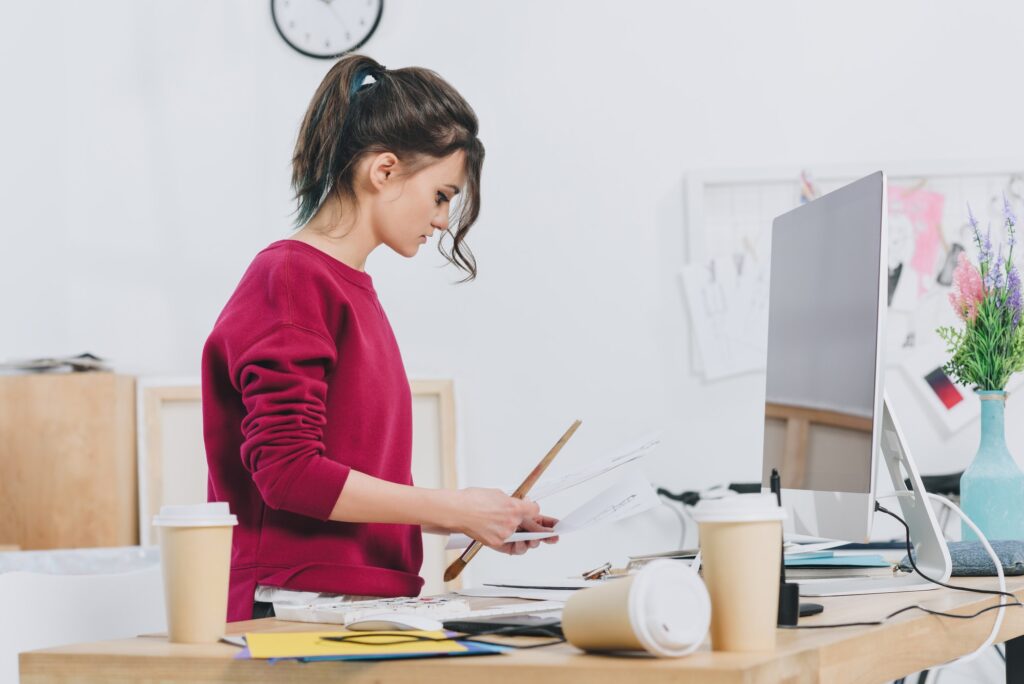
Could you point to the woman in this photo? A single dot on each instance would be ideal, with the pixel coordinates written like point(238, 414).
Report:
point(306, 405)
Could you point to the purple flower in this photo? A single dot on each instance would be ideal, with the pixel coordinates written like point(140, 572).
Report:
point(1011, 218)
point(1013, 293)
point(997, 271)
point(974, 225)
point(985, 256)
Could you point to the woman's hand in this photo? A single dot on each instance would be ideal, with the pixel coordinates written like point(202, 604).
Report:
point(491, 516)
point(539, 523)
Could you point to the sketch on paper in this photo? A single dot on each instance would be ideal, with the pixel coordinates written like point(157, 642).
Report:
point(728, 302)
point(550, 484)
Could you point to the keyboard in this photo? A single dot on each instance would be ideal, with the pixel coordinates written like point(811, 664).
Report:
point(437, 608)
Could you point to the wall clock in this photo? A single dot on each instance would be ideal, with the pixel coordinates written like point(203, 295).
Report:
point(326, 28)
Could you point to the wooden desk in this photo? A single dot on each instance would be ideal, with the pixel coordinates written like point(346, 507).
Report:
point(910, 643)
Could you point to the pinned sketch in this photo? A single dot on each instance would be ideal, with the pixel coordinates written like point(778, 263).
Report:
point(917, 249)
point(630, 496)
point(728, 303)
point(808, 191)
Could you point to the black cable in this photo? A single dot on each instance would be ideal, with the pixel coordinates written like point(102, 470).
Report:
point(876, 623)
point(555, 642)
point(373, 638)
point(689, 498)
point(685, 498)
point(910, 554)
point(938, 613)
point(554, 632)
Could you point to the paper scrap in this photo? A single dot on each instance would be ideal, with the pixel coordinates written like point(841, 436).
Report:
point(520, 593)
point(548, 486)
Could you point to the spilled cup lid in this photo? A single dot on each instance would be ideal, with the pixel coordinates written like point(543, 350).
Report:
point(669, 608)
point(214, 514)
point(739, 508)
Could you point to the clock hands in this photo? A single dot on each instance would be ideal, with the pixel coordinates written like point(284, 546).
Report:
point(336, 14)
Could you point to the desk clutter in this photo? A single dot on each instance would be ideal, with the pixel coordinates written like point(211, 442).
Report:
point(663, 609)
point(332, 611)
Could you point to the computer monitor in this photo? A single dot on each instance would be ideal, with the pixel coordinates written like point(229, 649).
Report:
point(827, 424)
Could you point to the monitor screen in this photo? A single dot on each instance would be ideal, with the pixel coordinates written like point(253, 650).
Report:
point(824, 324)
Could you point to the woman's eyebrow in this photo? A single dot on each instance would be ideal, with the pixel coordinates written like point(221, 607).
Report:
point(455, 190)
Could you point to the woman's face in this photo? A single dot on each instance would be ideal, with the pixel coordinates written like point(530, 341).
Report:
point(410, 208)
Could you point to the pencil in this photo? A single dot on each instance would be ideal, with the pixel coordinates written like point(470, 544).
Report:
point(455, 569)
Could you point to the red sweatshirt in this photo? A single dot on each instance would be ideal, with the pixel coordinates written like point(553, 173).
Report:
point(303, 382)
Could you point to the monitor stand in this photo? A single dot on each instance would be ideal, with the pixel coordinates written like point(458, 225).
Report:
point(930, 550)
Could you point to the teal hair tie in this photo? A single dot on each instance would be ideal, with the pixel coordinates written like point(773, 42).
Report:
point(360, 76)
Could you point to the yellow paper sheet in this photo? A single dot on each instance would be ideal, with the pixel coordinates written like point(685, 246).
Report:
point(304, 644)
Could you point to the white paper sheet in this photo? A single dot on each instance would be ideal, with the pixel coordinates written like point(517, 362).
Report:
point(509, 592)
point(567, 583)
point(792, 548)
point(638, 449)
point(630, 496)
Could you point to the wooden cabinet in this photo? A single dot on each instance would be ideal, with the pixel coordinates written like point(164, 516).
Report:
point(67, 460)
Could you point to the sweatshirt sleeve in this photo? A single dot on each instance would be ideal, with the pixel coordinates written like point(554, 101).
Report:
point(282, 378)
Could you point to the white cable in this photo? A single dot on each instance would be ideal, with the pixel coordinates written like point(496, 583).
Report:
point(682, 522)
point(999, 572)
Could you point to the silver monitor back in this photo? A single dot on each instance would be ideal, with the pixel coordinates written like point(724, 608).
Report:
point(824, 383)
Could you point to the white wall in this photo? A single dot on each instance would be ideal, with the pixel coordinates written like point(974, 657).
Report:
point(146, 149)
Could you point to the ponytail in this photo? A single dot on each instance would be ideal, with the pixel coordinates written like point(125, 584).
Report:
point(322, 127)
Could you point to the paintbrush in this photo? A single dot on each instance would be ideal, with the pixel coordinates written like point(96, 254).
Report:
point(455, 569)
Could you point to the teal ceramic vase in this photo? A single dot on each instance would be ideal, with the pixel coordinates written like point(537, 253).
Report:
point(992, 487)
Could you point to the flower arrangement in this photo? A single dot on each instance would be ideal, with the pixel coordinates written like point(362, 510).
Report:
point(990, 346)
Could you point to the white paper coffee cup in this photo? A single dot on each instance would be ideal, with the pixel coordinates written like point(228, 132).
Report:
point(741, 547)
point(663, 609)
point(195, 555)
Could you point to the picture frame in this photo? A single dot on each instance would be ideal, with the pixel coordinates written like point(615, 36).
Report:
point(172, 455)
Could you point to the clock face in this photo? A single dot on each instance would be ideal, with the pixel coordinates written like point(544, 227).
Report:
point(326, 28)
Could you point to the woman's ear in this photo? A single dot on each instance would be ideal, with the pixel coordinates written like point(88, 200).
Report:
point(383, 169)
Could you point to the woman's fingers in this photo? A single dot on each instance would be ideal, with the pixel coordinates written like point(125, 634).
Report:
point(518, 548)
point(539, 523)
point(546, 521)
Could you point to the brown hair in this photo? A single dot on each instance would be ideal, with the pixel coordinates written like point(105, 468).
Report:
point(411, 112)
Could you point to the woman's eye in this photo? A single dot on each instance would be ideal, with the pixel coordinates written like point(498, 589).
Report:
point(441, 197)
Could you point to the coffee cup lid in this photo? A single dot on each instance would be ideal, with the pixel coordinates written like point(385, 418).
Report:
point(739, 508)
point(669, 608)
point(214, 514)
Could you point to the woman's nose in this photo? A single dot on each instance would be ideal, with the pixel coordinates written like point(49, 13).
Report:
point(440, 221)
